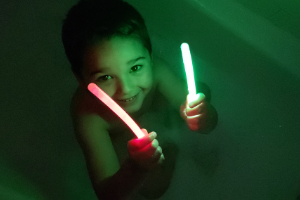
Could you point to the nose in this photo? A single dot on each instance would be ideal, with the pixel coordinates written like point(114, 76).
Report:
point(125, 87)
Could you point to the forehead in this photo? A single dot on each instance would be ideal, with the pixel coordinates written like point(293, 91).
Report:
point(114, 52)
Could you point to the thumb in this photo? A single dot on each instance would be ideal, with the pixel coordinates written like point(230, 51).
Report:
point(144, 131)
point(197, 100)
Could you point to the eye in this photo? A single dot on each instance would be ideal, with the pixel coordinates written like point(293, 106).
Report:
point(136, 68)
point(104, 78)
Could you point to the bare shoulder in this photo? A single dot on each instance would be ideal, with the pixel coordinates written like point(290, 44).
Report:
point(173, 87)
point(83, 103)
point(91, 131)
point(159, 66)
point(84, 112)
point(169, 84)
point(88, 115)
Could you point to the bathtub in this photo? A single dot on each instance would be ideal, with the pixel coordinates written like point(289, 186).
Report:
point(253, 70)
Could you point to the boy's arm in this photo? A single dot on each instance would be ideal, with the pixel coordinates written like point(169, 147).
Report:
point(169, 85)
point(175, 90)
point(109, 179)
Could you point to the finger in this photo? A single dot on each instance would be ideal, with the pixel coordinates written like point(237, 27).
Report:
point(193, 119)
point(158, 161)
point(197, 119)
point(157, 155)
point(194, 127)
point(140, 143)
point(200, 108)
point(161, 159)
point(144, 131)
point(149, 157)
point(157, 152)
point(200, 98)
point(145, 152)
point(150, 149)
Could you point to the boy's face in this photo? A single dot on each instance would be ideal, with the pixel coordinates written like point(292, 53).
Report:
point(121, 67)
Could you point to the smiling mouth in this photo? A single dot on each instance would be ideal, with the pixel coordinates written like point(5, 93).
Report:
point(129, 99)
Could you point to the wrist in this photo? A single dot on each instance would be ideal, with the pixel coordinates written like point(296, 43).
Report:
point(134, 166)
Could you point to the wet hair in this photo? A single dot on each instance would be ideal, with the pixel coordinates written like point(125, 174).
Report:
point(92, 21)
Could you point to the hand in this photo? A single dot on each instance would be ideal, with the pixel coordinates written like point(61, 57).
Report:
point(146, 151)
point(195, 113)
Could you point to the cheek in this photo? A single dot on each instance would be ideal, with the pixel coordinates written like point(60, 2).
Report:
point(108, 89)
point(147, 83)
point(146, 80)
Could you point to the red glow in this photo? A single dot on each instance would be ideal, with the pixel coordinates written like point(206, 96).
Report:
point(101, 95)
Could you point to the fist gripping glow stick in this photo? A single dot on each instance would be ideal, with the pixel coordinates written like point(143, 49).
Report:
point(188, 65)
point(101, 95)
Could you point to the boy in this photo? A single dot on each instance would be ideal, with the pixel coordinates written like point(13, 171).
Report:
point(106, 42)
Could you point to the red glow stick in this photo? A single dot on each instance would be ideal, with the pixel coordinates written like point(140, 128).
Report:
point(101, 95)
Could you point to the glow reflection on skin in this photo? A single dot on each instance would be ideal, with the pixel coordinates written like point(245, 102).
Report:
point(101, 95)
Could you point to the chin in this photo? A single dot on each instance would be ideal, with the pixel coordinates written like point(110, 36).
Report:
point(131, 110)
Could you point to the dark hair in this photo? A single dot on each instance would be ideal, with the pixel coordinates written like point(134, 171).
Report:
point(91, 21)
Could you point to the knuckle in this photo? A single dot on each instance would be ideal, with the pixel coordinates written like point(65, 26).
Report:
point(162, 158)
point(155, 143)
point(159, 149)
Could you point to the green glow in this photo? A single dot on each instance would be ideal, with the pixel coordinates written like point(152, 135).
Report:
point(188, 65)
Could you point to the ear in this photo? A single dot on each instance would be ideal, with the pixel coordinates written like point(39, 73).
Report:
point(151, 58)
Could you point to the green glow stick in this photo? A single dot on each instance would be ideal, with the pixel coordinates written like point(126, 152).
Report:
point(188, 66)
